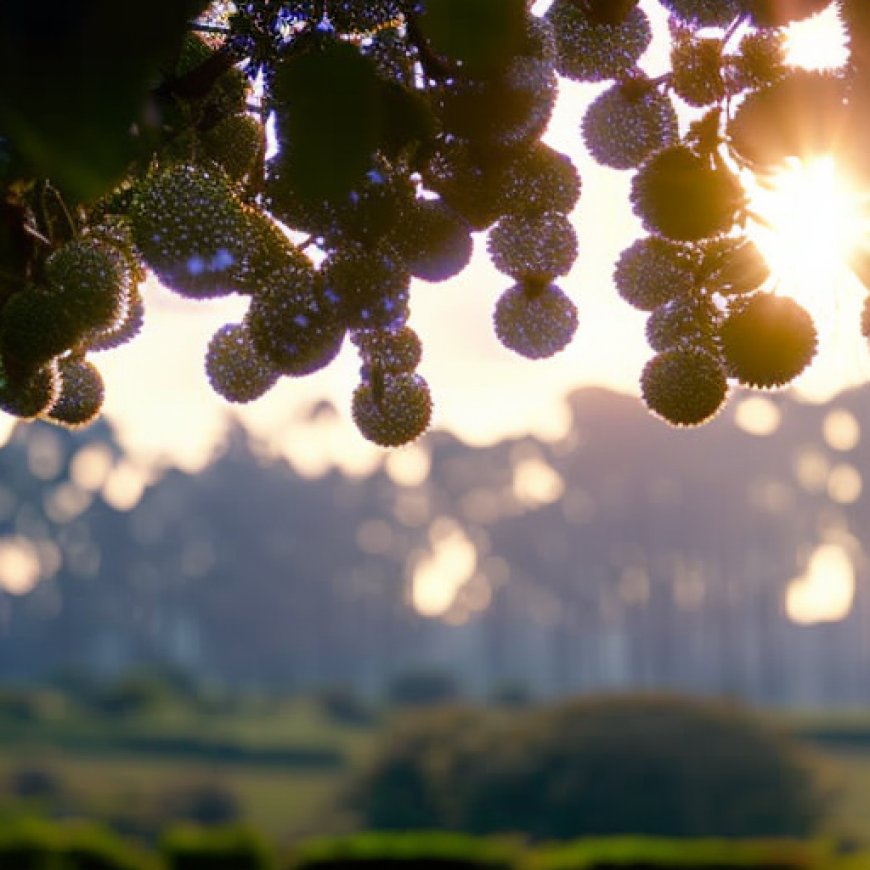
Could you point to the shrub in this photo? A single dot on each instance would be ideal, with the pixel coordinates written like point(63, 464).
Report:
point(29, 845)
point(656, 765)
point(35, 781)
point(633, 853)
point(343, 706)
point(420, 851)
point(191, 848)
point(90, 848)
point(423, 687)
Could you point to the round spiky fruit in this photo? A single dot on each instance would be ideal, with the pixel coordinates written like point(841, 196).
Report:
point(535, 248)
point(688, 320)
point(89, 281)
point(679, 195)
point(537, 179)
point(592, 51)
point(234, 368)
point(264, 251)
point(535, 322)
point(735, 266)
point(653, 270)
point(470, 185)
point(81, 393)
point(627, 122)
point(697, 69)
point(767, 341)
point(230, 91)
point(434, 240)
point(778, 13)
point(190, 227)
point(392, 409)
point(370, 285)
point(127, 328)
point(295, 326)
point(35, 325)
point(507, 110)
point(234, 143)
point(393, 352)
point(704, 13)
point(760, 60)
point(31, 395)
point(685, 386)
point(799, 115)
point(371, 210)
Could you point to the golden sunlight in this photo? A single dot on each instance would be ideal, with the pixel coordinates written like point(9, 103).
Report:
point(440, 574)
point(811, 221)
point(818, 42)
point(826, 591)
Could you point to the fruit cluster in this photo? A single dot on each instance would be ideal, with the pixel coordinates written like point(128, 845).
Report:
point(714, 315)
point(400, 127)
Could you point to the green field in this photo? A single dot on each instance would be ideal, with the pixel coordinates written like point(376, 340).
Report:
point(282, 765)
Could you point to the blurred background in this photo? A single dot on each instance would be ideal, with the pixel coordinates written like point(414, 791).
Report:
point(405, 649)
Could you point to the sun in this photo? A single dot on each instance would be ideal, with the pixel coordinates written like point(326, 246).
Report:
point(809, 222)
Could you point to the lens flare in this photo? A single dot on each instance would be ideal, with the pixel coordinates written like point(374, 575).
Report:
point(809, 222)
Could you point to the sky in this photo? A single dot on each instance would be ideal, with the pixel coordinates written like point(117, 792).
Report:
point(165, 412)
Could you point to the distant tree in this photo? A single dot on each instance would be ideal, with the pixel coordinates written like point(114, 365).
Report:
point(401, 127)
point(343, 705)
point(423, 687)
point(656, 765)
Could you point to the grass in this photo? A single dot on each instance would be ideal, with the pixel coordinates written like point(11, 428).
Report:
point(284, 801)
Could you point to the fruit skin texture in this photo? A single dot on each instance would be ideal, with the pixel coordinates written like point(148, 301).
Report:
point(392, 352)
point(234, 368)
point(652, 271)
point(704, 13)
point(680, 196)
point(191, 230)
point(32, 395)
point(539, 179)
point(535, 248)
point(685, 386)
point(81, 394)
point(535, 322)
point(89, 278)
point(591, 51)
point(294, 325)
point(768, 341)
point(628, 122)
point(392, 409)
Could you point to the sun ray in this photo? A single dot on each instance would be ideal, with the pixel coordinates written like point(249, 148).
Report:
point(809, 223)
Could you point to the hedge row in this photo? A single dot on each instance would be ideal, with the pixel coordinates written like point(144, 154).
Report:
point(42, 846)
point(37, 845)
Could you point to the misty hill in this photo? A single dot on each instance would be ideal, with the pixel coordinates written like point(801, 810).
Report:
point(626, 554)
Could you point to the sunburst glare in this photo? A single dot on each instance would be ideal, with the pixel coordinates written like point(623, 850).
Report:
point(810, 222)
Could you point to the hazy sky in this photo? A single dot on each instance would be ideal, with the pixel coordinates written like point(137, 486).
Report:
point(160, 400)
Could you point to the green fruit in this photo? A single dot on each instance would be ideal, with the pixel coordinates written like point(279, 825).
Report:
point(234, 368)
point(81, 394)
point(393, 410)
point(767, 341)
point(685, 386)
point(535, 322)
point(680, 196)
